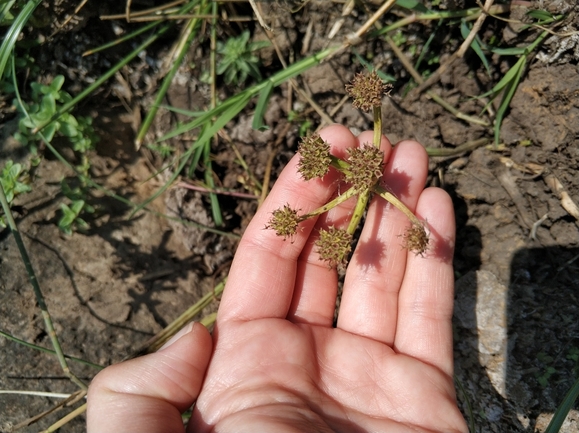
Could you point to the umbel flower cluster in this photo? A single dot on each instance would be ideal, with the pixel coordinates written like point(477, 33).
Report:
point(362, 169)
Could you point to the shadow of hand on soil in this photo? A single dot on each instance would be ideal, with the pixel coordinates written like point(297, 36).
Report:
point(516, 346)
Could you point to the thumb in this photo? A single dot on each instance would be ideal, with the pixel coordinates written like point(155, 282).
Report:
point(148, 394)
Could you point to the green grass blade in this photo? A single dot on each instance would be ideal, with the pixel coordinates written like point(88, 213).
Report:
point(191, 30)
point(44, 349)
point(427, 16)
point(507, 78)
point(122, 39)
point(277, 79)
point(195, 162)
point(182, 111)
point(33, 279)
point(222, 120)
point(13, 32)
point(203, 140)
point(370, 67)
point(515, 69)
point(204, 118)
point(215, 207)
point(510, 90)
point(261, 108)
point(300, 67)
point(465, 31)
point(541, 22)
point(5, 10)
point(540, 15)
point(563, 409)
point(515, 74)
point(414, 5)
point(513, 51)
point(469, 411)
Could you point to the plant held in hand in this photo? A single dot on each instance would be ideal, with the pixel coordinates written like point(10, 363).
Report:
point(362, 169)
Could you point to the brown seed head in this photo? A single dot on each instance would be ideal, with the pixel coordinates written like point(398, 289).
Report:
point(284, 221)
point(334, 245)
point(366, 164)
point(416, 239)
point(367, 89)
point(315, 157)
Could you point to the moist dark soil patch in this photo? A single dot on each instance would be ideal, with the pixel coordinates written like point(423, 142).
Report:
point(110, 289)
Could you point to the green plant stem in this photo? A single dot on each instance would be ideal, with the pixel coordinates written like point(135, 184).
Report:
point(188, 34)
point(44, 349)
point(208, 166)
point(470, 145)
point(13, 32)
point(340, 164)
point(511, 87)
point(468, 405)
point(391, 198)
point(359, 210)
point(330, 205)
point(122, 39)
point(37, 292)
point(468, 14)
point(457, 113)
point(364, 196)
point(377, 112)
point(563, 409)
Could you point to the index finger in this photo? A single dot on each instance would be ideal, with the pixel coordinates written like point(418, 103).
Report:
point(262, 277)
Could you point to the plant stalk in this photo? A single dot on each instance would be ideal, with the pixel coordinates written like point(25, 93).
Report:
point(330, 205)
point(187, 37)
point(391, 198)
point(364, 196)
point(37, 292)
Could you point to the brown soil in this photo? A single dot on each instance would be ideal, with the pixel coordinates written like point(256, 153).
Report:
point(110, 289)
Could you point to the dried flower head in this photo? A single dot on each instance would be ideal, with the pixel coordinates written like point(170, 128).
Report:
point(366, 165)
point(416, 239)
point(334, 245)
point(284, 221)
point(367, 89)
point(315, 157)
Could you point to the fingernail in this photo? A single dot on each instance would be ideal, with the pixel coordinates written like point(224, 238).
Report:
point(183, 331)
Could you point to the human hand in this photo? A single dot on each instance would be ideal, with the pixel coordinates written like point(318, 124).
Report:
point(278, 365)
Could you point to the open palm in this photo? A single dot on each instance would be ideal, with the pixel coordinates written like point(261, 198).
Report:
point(278, 363)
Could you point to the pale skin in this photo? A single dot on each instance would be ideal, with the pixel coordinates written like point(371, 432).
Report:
point(275, 362)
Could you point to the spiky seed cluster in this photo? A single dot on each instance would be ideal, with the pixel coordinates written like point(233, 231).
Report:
point(367, 90)
point(416, 239)
point(334, 245)
point(315, 157)
point(366, 164)
point(284, 221)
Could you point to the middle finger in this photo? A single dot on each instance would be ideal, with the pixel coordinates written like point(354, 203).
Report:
point(370, 298)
